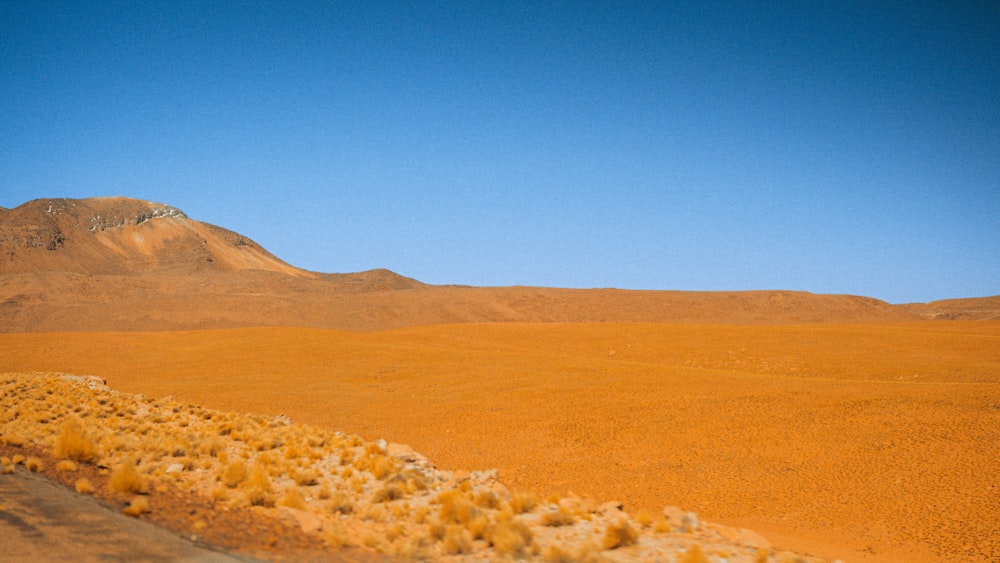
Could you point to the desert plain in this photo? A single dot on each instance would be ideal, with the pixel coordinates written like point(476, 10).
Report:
point(870, 442)
point(838, 427)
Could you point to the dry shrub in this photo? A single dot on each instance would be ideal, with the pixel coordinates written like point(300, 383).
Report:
point(34, 464)
point(456, 507)
point(213, 447)
point(336, 537)
point(305, 478)
point(66, 465)
point(420, 514)
point(388, 493)
point(293, 499)
point(555, 516)
point(478, 526)
point(522, 502)
point(75, 443)
point(457, 540)
point(84, 486)
point(694, 554)
point(383, 466)
point(487, 499)
point(557, 553)
point(138, 505)
point(342, 502)
point(511, 537)
point(234, 474)
point(620, 535)
point(258, 486)
point(324, 492)
point(436, 531)
point(127, 479)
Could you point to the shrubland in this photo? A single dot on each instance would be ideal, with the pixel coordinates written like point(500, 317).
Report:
point(370, 494)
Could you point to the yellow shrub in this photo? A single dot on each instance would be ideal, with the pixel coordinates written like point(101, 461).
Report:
point(137, 506)
point(293, 499)
point(388, 493)
point(342, 502)
point(555, 516)
point(127, 479)
point(234, 474)
point(457, 540)
point(510, 537)
point(66, 465)
point(74, 443)
point(522, 502)
point(620, 535)
point(258, 486)
point(84, 486)
point(694, 554)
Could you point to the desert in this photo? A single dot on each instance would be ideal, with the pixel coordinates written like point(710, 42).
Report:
point(636, 425)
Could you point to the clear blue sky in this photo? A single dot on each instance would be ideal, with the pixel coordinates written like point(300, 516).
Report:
point(832, 147)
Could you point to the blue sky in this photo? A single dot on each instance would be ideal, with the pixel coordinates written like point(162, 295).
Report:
point(832, 147)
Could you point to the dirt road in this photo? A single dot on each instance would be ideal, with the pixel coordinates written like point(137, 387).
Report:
point(41, 521)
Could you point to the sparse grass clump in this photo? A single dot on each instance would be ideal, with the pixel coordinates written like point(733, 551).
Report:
point(234, 474)
point(126, 478)
point(34, 464)
point(388, 493)
point(137, 506)
point(694, 554)
point(510, 536)
point(66, 465)
point(522, 502)
point(342, 503)
point(293, 499)
point(83, 486)
point(76, 444)
point(621, 534)
point(457, 540)
point(258, 486)
point(555, 516)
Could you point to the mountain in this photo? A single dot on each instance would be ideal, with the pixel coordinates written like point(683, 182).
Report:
point(124, 264)
point(123, 236)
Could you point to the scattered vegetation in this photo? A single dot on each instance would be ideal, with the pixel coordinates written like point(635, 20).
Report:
point(361, 494)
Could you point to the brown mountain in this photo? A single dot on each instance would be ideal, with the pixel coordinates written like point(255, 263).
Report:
point(123, 236)
point(125, 264)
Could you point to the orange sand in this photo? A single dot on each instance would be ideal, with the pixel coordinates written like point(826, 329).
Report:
point(874, 442)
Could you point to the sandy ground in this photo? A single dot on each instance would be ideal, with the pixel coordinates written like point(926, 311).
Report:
point(874, 442)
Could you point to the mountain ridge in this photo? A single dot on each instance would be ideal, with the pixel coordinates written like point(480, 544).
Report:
point(125, 264)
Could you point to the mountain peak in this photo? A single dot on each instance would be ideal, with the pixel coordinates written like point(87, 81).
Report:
point(119, 235)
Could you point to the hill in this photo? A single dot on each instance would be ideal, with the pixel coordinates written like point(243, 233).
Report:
point(977, 308)
point(125, 264)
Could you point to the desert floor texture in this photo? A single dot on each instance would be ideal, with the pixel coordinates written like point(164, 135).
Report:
point(866, 442)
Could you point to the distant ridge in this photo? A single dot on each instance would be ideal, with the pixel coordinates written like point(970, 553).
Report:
point(975, 308)
point(108, 264)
